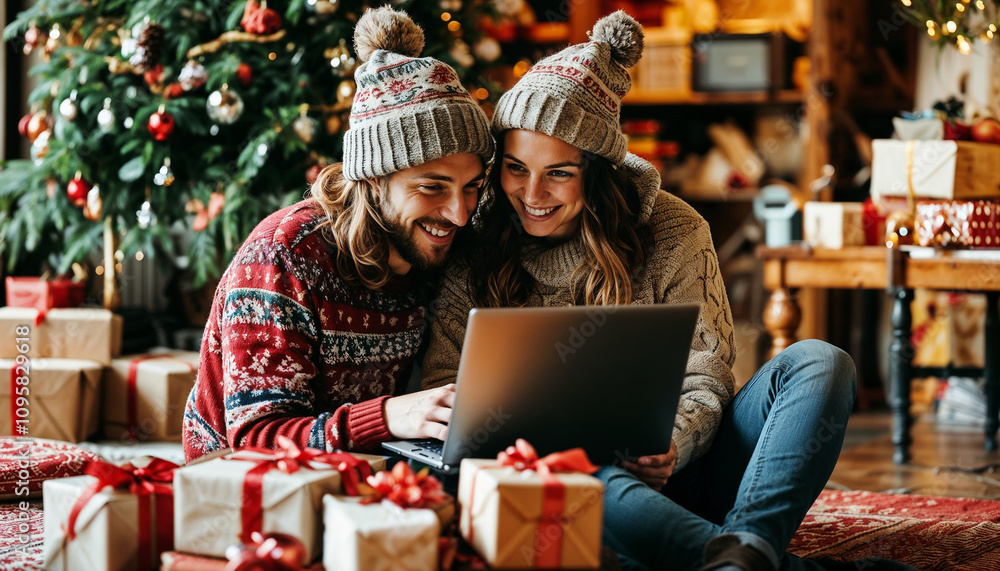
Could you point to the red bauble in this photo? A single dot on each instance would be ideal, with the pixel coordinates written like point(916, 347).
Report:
point(312, 174)
point(245, 74)
point(22, 125)
point(287, 551)
point(248, 561)
point(161, 125)
point(77, 190)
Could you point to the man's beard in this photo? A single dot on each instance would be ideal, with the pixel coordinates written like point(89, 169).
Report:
point(404, 240)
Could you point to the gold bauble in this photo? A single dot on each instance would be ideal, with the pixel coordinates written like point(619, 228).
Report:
point(333, 124)
point(345, 91)
point(39, 122)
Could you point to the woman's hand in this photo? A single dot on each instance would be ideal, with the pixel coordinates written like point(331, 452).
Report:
point(424, 414)
point(654, 470)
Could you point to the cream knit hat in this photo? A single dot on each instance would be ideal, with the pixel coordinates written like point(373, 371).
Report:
point(407, 110)
point(576, 94)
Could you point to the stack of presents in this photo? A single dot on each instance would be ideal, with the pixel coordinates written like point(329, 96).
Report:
point(935, 185)
point(284, 509)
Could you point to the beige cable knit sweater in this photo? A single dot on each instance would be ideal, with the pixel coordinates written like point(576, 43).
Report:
point(682, 268)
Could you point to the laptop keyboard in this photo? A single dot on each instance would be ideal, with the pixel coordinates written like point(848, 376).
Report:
point(431, 445)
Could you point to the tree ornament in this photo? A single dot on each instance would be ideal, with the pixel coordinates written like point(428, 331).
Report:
point(345, 91)
point(33, 37)
point(244, 73)
point(93, 206)
point(224, 106)
point(165, 176)
point(40, 146)
point(487, 49)
point(68, 107)
point(323, 7)
point(259, 19)
point(77, 189)
point(333, 124)
point(154, 77)
point(461, 53)
point(161, 124)
point(305, 127)
point(22, 125)
point(173, 91)
point(145, 216)
point(129, 45)
point(313, 173)
point(149, 47)
point(38, 123)
point(53, 42)
point(341, 60)
point(192, 76)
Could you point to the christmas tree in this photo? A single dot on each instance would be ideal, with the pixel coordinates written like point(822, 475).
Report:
point(175, 126)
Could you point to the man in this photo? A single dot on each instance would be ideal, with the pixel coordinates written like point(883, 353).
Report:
point(319, 316)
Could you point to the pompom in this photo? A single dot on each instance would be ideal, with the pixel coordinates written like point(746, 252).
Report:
point(624, 34)
point(386, 29)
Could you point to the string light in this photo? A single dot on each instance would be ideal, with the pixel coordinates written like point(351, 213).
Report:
point(139, 256)
point(454, 25)
point(446, 16)
point(958, 23)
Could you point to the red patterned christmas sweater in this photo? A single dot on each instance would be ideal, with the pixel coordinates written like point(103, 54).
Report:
point(292, 349)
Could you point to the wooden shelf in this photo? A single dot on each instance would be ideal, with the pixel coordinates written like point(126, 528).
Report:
point(652, 97)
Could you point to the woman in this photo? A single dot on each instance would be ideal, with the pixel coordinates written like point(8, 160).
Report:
point(571, 218)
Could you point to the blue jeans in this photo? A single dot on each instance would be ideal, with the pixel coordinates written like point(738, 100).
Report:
point(774, 451)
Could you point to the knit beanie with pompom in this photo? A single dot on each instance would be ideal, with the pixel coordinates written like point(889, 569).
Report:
point(407, 110)
point(576, 94)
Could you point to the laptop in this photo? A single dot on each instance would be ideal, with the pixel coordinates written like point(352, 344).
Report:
point(603, 378)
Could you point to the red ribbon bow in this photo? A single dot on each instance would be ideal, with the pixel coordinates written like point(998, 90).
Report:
point(289, 458)
point(154, 480)
point(522, 456)
point(405, 488)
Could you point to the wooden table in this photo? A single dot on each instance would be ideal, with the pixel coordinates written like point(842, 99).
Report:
point(898, 271)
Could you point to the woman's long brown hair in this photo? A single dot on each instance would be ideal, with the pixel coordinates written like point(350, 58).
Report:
point(614, 241)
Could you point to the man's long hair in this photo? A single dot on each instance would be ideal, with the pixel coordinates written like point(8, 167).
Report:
point(614, 241)
point(354, 225)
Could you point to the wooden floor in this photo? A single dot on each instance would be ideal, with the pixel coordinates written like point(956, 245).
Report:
point(947, 460)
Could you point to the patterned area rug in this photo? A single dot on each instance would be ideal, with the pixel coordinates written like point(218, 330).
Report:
point(926, 532)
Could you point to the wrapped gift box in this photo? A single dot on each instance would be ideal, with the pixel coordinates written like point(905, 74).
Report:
point(946, 170)
point(93, 334)
point(378, 536)
point(209, 503)
point(144, 395)
point(62, 401)
point(833, 224)
point(177, 561)
point(501, 510)
point(962, 223)
point(44, 294)
point(108, 526)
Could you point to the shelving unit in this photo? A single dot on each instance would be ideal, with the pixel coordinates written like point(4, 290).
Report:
point(649, 97)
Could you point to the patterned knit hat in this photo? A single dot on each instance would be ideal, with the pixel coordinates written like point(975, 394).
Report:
point(576, 94)
point(407, 110)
